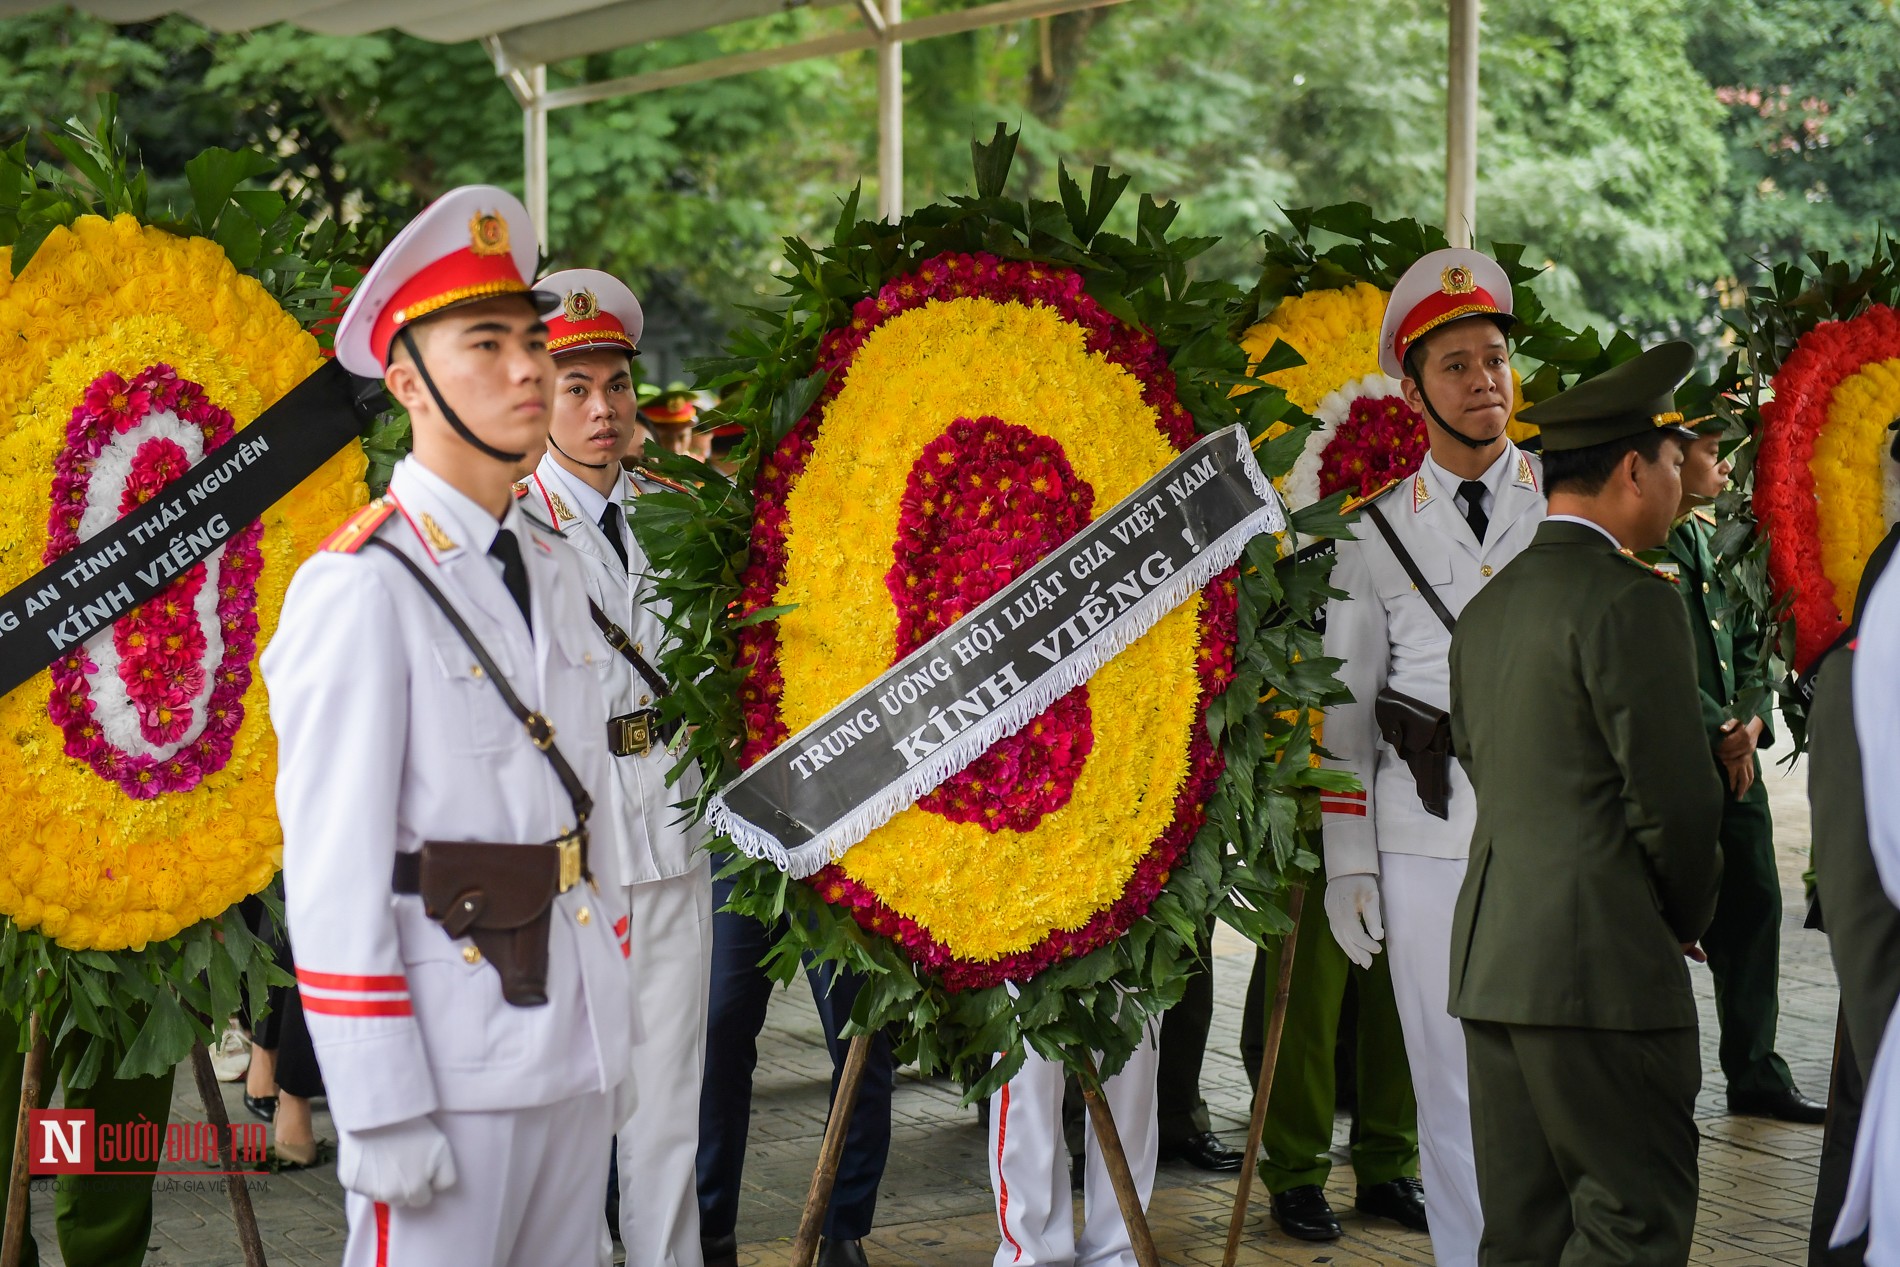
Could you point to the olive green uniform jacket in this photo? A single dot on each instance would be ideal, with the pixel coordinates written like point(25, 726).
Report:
point(1575, 712)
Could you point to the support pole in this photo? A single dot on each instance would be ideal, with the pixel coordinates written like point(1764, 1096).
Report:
point(1263, 1087)
point(534, 152)
point(1109, 1140)
point(1461, 124)
point(241, 1212)
point(890, 117)
point(825, 1178)
point(36, 1056)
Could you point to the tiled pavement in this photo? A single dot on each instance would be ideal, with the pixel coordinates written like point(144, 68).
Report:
point(1757, 1176)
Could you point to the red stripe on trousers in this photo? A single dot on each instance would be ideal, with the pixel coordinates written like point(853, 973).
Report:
point(1002, 1184)
point(356, 1007)
point(382, 1234)
point(339, 981)
point(1351, 808)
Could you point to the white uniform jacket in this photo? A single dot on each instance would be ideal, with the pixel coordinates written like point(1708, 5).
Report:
point(657, 843)
point(389, 735)
point(1387, 635)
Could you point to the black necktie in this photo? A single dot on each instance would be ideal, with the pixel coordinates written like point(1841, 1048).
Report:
point(610, 524)
point(1473, 492)
point(514, 573)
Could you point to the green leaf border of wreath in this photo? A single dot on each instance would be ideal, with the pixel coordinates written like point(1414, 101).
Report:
point(1790, 300)
point(1092, 1008)
point(136, 1013)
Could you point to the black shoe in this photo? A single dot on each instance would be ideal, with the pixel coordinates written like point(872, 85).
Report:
point(1401, 1200)
point(1303, 1214)
point(1204, 1152)
point(843, 1252)
point(720, 1251)
point(262, 1107)
point(1784, 1105)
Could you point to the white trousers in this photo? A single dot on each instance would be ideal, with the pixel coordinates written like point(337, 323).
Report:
point(1029, 1171)
point(1417, 895)
point(528, 1192)
point(657, 1147)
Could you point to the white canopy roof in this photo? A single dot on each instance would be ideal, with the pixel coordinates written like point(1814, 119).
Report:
point(530, 31)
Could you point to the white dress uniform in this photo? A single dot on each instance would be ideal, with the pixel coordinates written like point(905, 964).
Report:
point(670, 894)
point(389, 735)
point(1872, 1202)
point(1387, 635)
point(1029, 1175)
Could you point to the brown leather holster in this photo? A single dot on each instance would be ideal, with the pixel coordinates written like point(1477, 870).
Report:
point(498, 896)
point(1421, 735)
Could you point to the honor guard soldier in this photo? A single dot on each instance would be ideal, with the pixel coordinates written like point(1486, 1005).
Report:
point(1743, 942)
point(580, 490)
point(1395, 852)
point(455, 903)
point(1593, 865)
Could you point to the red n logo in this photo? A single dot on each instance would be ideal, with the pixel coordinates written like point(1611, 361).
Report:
point(59, 1142)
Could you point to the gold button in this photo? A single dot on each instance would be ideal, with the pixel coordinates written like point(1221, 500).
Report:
point(471, 955)
point(645, 700)
point(583, 917)
point(474, 670)
point(1705, 587)
point(639, 649)
point(1485, 570)
point(587, 657)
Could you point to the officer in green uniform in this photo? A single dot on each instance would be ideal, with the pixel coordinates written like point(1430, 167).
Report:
point(1298, 1141)
point(102, 1221)
point(1743, 942)
point(1594, 866)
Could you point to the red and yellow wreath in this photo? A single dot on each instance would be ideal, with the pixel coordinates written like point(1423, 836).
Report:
point(1823, 482)
point(978, 413)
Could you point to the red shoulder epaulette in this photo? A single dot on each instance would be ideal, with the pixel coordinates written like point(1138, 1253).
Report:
point(353, 533)
point(521, 490)
point(1674, 578)
point(1354, 503)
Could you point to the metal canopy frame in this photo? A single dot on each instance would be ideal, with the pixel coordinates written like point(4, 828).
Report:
point(882, 28)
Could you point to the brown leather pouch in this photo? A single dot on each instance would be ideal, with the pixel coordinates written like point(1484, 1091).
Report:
point(498, 896)
point(1421, 735)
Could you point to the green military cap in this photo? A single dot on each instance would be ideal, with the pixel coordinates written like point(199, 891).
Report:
point(1630, 399)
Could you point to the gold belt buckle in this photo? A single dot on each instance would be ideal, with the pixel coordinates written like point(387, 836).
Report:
point(570, 847)
point(633, 734)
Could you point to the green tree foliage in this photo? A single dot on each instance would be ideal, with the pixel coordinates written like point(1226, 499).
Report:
point(1651, 149)
point(1811, 95)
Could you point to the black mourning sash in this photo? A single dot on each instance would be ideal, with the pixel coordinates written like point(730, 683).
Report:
point(979, 681)
point(113, 571)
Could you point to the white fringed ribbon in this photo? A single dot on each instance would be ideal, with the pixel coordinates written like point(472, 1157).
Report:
point(829, 843)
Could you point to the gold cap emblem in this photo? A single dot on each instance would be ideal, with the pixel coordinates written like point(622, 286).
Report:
point(1456, 280)
point(487, 234)
point(581, 306)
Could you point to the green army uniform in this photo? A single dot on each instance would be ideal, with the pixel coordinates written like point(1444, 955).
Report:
point(101, 1221)
point(1743, 942)
point(1863, 928)
point(1299, 1132)
point(1574, 711)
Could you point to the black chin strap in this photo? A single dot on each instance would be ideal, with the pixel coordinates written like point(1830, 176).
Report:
point(1432, 409)
point(592, 466)
point(461, 428)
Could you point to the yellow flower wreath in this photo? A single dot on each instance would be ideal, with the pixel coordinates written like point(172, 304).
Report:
point(81, 861)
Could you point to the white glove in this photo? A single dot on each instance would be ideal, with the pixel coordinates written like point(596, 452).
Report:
point(404, 1163)
point(1352, 908)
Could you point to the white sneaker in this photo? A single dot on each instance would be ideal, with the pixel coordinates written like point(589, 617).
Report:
point(231, 1058)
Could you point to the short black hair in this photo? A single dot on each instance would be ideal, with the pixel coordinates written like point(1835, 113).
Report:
point(1586, 470)
point(1416, 347)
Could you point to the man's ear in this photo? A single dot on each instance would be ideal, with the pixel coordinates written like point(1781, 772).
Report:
point(1408, 388)
point(1629, 469)
point(404, 383)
